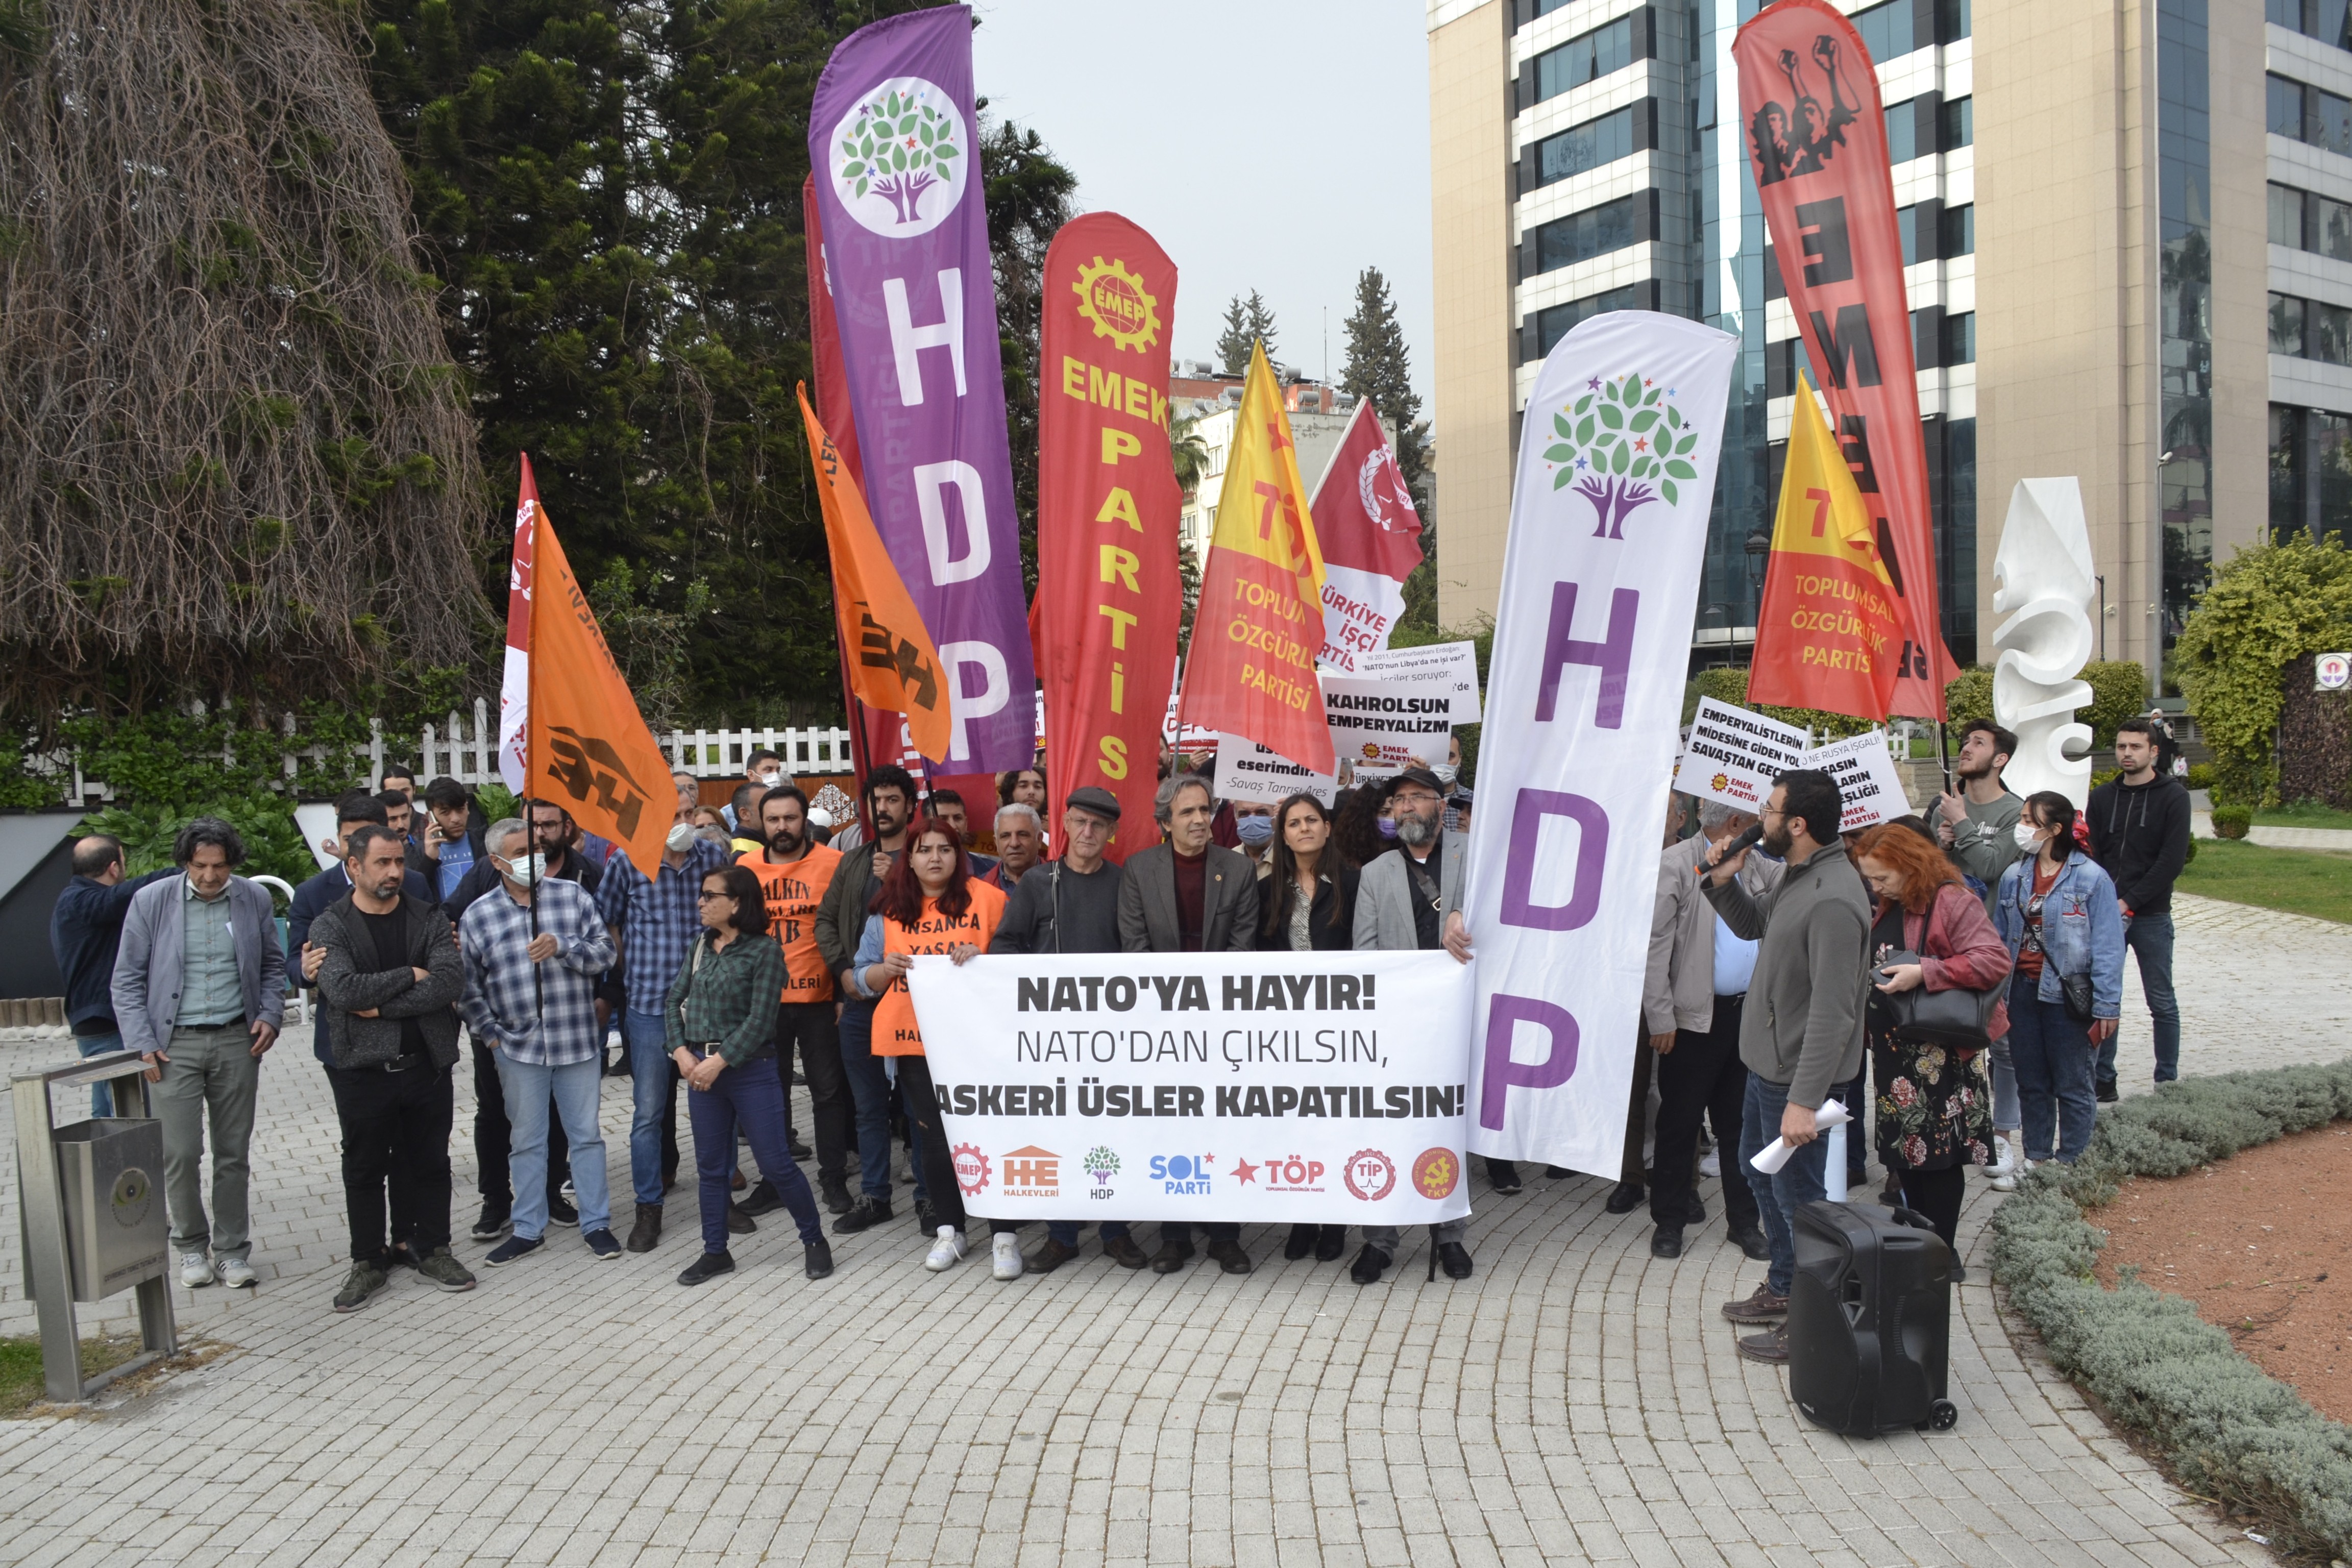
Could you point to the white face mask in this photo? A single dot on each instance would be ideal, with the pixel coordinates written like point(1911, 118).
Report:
point(2029, 838)
point(525, 872)
point(681, 838)
point(1447, 772)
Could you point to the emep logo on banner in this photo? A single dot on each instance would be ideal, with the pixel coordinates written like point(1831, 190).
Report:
point(1592, 642)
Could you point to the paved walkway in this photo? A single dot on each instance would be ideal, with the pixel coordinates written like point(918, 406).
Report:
point(2201, 825)
point(1578, 1402)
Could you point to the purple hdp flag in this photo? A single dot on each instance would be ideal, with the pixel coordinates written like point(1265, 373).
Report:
point(893, 138)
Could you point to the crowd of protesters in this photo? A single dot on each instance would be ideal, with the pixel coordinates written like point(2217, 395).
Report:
point(763, 952)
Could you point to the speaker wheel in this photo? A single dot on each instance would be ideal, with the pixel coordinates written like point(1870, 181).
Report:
point(1942, 1416)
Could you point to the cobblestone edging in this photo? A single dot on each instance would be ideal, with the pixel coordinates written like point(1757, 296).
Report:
point(2227, 1430)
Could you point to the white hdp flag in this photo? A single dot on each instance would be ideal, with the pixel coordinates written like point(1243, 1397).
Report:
point(1583, 700)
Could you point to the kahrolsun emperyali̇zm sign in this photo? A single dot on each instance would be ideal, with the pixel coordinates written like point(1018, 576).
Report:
point(1326, 1087)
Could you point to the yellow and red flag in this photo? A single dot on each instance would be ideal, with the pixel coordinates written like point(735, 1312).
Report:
point(893, 664)
point(1831, 632)
point(588, 747)
point(1260, 622)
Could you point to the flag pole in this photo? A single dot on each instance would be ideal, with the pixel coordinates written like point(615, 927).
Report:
point(530, 719)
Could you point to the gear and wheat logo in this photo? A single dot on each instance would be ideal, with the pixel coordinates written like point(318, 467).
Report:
point(1622, 445)
point(970, 1168)
point(900, 162)
point(1115, 301)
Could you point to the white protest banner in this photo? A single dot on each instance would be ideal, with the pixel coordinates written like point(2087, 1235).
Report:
point(1385, 725)
point(1268, 1088)
point(1455, 663)
point(1584, 698)
point(1869, 789)
point(1733, 754)
point(1247, 771)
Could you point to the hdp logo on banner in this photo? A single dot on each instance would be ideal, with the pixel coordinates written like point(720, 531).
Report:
point(1592, 642)
point(903, 142)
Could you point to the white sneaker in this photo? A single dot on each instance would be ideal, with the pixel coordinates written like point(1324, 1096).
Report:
point(947, 1251)
point(195, 1270)
point(2006, 1155)
point(1712, 1166)
point(1007, 1259)
point(237, 1274)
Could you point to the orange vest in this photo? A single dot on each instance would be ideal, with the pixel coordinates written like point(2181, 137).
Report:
point(895, 1034)
point(793, 894)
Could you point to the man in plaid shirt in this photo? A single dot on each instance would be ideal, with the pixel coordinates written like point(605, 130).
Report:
point(653, 922)
point(532, 1000)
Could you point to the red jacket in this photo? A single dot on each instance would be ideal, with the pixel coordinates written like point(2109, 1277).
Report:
point(1959, 948)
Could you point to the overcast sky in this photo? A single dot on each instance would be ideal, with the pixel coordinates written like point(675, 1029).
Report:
point(1281, 146)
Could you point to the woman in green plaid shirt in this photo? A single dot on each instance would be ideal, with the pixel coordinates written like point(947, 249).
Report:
point(719, 1024)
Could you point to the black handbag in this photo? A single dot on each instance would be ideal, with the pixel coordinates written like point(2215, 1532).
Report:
point(2077, 989)
point(1957, 1018)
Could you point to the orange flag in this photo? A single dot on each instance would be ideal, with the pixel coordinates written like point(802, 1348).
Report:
point(589, 747)
point(1251, 671)
point(892, 664)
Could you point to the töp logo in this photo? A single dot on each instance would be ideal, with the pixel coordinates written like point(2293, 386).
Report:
point(1184, 1175)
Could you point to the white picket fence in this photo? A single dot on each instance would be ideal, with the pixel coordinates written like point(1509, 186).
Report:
point(470, 754)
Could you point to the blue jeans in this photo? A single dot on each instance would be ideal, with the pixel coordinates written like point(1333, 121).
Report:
point(753, 1096)
point(101, 1096)
point(576, 1087)
point(1855, 1095)
point(2150, 937)
point(869, 1092)
point(1801, 1181)
point(2053, 1056)
point(655, 1079)
point(2004, 1088)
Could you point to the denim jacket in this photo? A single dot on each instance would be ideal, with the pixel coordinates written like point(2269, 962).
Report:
point(2082, 929)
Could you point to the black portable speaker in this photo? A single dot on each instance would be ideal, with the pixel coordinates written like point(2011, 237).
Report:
point(1870, 1314)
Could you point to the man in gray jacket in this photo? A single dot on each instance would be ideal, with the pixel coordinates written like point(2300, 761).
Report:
point(1801, 1029)
point(1410, 899)
point(200, 991)
point(1696, 979)
point(1185, 894)
point(390, 975)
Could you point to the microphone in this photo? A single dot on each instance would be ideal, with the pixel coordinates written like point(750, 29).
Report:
point(1748, 840)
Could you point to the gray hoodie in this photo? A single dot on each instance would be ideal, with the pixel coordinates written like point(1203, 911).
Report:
point(1802, 1025)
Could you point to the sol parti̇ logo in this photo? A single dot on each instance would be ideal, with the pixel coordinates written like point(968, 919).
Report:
point(1371, 1175)
point(899, 160)
point(1114, 300)
point(1436, 1173)
point(970, 1168)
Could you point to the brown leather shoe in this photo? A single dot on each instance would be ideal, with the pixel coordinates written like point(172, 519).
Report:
point(1049, 1256)
point(1172, 1256)
point(1762, 1307)
point(646, 1234)
point(1771, 1346)
point(1122, 1250)
point(1229, 1255)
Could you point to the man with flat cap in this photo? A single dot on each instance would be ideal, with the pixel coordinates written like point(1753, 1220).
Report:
point(1071, 905)
point(1406, 902)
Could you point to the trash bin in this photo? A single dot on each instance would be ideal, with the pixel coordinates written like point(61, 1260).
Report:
point(111, 1178)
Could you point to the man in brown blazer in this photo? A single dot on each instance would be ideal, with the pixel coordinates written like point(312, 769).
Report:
point(1185, 894)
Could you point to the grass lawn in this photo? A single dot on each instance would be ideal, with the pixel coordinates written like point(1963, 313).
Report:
point(2299, 882)
point(20, 1368)
point(2304, 814)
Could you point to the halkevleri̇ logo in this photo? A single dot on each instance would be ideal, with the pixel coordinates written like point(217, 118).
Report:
point(1115, 300)
point(1184, 1175)
point(1033, 1172)
point(904, 141)
point(1436, 1173)
point(1371, 1175)
point(970, 1168)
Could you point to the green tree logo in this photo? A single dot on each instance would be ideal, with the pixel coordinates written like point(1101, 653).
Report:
point(1102, 1162)
point(890, 152)
point(1622, 445)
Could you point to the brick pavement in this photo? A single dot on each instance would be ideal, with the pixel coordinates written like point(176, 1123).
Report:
point(1578, 1402)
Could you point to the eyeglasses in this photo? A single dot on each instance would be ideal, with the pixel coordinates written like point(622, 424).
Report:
point(1412, 797)
point(705, 898)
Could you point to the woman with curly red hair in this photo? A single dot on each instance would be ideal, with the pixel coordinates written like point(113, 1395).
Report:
point(928, 904)
point(1934, 1102)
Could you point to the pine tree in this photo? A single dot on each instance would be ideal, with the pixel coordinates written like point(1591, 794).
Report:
point(1380, 368)
point(1247, 321)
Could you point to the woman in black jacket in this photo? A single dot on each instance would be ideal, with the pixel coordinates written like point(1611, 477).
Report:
point(1309, 900)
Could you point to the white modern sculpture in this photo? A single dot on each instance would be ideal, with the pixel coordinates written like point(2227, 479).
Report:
point(2043, 585)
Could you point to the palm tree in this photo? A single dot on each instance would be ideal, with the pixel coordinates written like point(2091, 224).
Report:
point(1189, 453)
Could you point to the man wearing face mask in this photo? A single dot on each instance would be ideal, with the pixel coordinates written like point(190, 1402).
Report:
point(762, 773)
point(1449, 774)
point(653, 920)
point(1406, 899)
point(552, 835)
point(1254, 825)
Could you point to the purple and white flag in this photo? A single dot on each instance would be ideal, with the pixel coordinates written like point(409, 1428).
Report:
point(894, 141)
point(1584, 701)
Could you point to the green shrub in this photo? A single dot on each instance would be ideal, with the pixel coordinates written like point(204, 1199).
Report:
point(2268, 607)
point(2118, 691)
point(2200, 775)
point(2229, 1431)
point(2232, 821)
